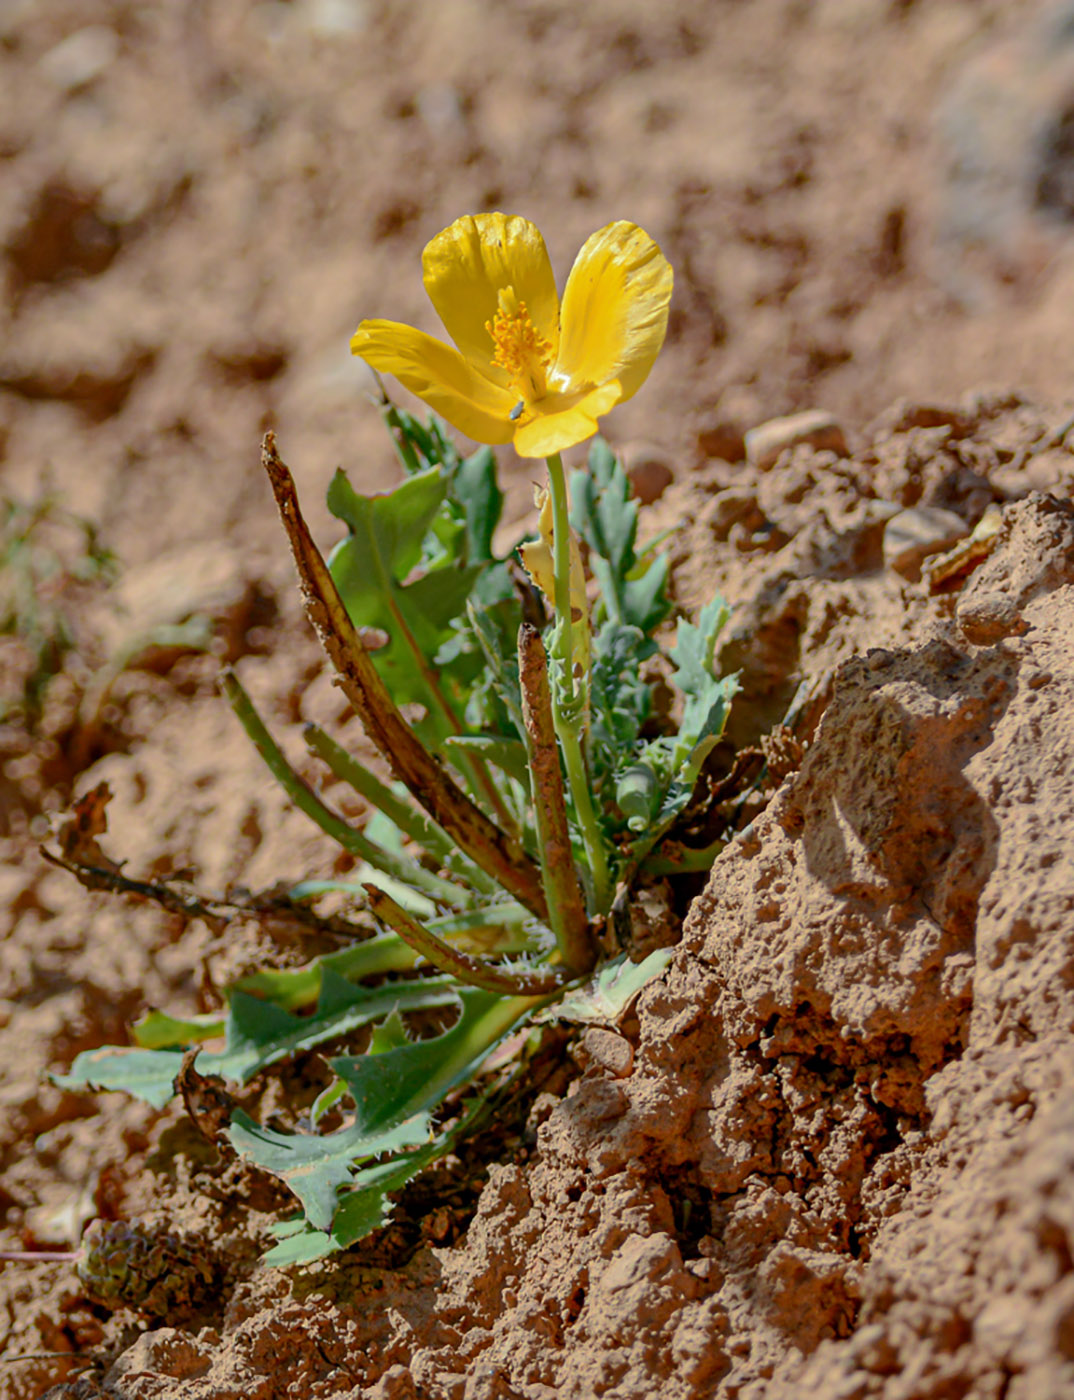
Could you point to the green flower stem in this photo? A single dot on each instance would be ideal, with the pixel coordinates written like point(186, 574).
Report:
point(561, 564)
point(401, 868)
point(568, 723)
point(458, 964)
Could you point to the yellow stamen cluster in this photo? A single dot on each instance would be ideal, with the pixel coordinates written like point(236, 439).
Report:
point(520, 350)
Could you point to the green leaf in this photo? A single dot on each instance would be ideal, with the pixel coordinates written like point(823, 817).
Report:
point(392, 1093)
point(386, 541)
point(157, 1029)
point(708, 697)
point(620, 700)
point(678, 759)
point(362, 1209)
point(294, 987)
point(491, 627)
point(605, 514)
point(258, 1034)
point(329, 1096)
point(509, 755)
point(606, 996)
point(475, 487)
point(146, 1074)
point(316, 1166)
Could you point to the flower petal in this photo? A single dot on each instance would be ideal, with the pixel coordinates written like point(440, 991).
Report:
point(615, 309)
point(440, 376)
point(465, 268)
point(561, 420)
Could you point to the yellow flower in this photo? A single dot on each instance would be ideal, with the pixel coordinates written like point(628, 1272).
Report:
point(528, 369)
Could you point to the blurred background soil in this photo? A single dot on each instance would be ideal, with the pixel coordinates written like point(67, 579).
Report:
point(863, 200)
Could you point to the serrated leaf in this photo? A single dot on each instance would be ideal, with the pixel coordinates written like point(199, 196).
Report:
point(258, 1034)
point(489, 627)
point(605, 514)
point(329, 1096)
point(620, 701)
point(316, 1166)
point(645, 602)
point(475, 487)
point(361, 1210)
point(148, 1075)
point(605, 997)
point(708, 697)
point(392, 1093)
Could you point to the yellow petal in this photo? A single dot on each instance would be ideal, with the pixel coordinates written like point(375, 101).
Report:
point(615, 309)
point(439, 375)
point(561, 420)
point(465, 268)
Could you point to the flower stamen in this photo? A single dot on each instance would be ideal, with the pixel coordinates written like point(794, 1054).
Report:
point(520, 349)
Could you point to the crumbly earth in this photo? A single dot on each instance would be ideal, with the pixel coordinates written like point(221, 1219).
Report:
point(831, 1150)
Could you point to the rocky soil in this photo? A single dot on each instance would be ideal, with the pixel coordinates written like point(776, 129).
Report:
point(831, 1150)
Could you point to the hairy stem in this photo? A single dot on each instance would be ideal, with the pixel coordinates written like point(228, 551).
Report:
point(567, 722)
point(449, 959)
point(566, 909)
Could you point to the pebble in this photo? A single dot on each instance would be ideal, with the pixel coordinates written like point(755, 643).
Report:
point(816, 428)
point(83, 56)
point(648, 472)
point(610, 1051)
point(914, 534)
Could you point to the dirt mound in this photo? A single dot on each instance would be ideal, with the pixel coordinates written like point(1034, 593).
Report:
point(830, 1150)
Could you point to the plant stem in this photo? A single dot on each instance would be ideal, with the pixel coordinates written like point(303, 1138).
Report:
point(566, 909)
point(401, 868)
point(561, 564)
point(349, 770)
point(467, 969)
point(498, 853)
point(568, 724)
point(409, 820)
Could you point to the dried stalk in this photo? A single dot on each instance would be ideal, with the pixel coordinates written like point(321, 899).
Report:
point(496, 853)
point(458, 964)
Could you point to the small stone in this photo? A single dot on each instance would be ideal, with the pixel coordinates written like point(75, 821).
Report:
point(81, 58)
point(722, 438)
point(914, 534)
point(816, 428)
point(648, 472)
point(610, 1051)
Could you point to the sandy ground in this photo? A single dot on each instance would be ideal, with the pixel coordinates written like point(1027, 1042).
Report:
point(840, 1161)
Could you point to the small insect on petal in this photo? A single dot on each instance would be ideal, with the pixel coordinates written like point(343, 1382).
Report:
point(516, 412)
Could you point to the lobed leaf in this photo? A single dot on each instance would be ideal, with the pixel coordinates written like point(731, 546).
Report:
point(605, 514)
point(392, 1093)
point(258, 1034)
